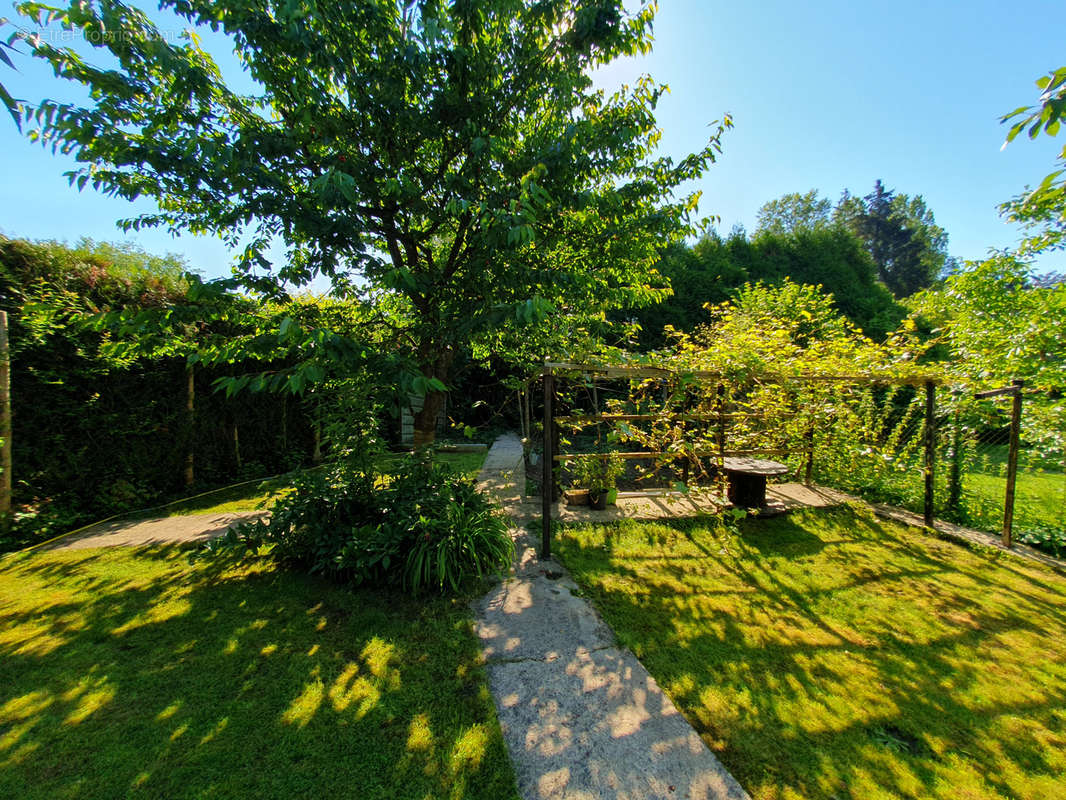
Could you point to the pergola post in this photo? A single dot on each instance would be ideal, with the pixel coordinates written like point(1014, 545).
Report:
point(1012, 461)
point(930, 451)
point(547, 486)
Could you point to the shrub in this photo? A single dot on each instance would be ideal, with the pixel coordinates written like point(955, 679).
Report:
point(1049, 538)
point(422, 526)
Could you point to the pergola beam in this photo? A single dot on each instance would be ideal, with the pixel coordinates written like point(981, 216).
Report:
point(664, 372)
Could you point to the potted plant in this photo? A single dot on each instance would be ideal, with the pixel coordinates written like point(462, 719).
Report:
point(602, 474)
point(582, 470)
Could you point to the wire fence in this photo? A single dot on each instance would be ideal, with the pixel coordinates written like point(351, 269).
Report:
point(976, 447)
point(942, 451)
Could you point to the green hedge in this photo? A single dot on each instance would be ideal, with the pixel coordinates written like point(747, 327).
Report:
point(95, 433)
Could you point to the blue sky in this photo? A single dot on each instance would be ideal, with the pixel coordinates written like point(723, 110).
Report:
point(826, 95)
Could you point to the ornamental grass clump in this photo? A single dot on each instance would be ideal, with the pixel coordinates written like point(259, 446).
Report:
point(421, 527)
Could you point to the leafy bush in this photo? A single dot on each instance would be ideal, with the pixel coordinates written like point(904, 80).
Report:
point(1051, 539)
point(422, 526)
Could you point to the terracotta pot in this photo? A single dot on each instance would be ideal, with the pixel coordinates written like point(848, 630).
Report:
point(576, 497)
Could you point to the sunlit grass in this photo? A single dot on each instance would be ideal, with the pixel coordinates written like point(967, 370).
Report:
point(131, 673)
point(827, 654)
point(1040, 492)
point(261, 495)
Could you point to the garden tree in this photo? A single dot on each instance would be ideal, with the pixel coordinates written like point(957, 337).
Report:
point(999, 324)
point(699, 274)
point(794, 211)
point(1042, 210)
point(453, 155)
point(907, 246)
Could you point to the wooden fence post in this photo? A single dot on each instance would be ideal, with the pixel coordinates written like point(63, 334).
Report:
point(930, 450)
point(720, 403)
point(808, 470)
point(5, 427)
point(547, 485)
point(1012, 461)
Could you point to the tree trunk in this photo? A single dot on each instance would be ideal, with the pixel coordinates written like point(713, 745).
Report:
point(236, 446)
point(190, 424)
point(5, 427)
point(425, 421)
point(436, 362)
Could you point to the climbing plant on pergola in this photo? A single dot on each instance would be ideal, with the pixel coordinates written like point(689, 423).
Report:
point(700, 418)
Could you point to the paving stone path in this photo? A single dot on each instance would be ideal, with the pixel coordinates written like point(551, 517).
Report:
point(581, 716)
point(162, 530)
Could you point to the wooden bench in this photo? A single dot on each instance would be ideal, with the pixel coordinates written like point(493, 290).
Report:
point(747, 480)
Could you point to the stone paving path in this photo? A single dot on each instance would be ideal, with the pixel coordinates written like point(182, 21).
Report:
point(162, 530)
point(581, 716)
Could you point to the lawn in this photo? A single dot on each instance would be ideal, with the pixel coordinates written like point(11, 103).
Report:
point(133, 673)
point(828, 654)
point(1040, 493)
point(257, 495)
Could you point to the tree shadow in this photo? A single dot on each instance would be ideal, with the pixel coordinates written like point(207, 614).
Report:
point(871, 662)
point(137, 673)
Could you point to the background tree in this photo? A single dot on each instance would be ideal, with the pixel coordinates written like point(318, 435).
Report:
point(705, 272)
point(713, 270)
point(794, 211)
point(1000, 324)
point(455, 156)
point(997, 323)
point(908, 248)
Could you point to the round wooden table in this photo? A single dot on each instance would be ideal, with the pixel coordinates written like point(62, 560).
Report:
point(747, 480)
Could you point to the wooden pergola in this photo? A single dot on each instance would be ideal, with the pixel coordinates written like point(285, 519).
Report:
point(554, 370)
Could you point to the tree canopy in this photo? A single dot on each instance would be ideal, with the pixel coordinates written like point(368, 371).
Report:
point(900, 232)
point(454, 155)
point(714, 269)
point(1042, 210)
point(794, 211)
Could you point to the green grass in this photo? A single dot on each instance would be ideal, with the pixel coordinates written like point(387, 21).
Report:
point(133, 673)
point(827, 654)
point(251, 496)
point(468, 464)
point(1040, 494)
point(260, 495)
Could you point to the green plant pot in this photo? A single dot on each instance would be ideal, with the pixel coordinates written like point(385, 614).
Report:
point(598, 499)
point(612, 497)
